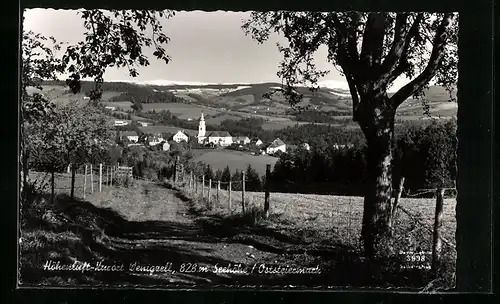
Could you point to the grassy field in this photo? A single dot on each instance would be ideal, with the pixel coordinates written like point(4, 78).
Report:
point(281, 124)
point(342, 215)
point(61, 94)
point(219, 159)
point(181, 110)
point(218, 119)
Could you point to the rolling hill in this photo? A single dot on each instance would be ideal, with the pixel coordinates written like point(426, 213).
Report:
point(235, 101)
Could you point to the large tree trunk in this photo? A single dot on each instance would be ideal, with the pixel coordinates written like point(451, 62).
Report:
point(377, 123)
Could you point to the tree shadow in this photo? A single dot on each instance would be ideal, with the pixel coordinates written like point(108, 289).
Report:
point(104, 235)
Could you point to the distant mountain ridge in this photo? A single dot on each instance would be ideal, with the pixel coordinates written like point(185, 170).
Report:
point(248, 98)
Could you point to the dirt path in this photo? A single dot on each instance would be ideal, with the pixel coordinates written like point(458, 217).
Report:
point(160, 230)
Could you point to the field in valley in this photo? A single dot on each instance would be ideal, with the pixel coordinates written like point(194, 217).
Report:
point(219, 159)
point(181, 110)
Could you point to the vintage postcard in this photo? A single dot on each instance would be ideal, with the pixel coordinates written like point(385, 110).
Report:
point(281, 149)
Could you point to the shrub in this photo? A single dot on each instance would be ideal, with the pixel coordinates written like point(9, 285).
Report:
point(122, 180)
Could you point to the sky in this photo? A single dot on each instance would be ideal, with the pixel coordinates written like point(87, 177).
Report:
point(205, 47)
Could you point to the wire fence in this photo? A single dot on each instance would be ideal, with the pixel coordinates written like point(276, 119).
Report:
point(422, 225)
point(85, 180)
point(419, 225)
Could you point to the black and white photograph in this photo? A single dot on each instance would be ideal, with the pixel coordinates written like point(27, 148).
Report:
point(271, 149)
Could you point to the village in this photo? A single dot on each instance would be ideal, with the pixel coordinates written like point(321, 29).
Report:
point(204, 139)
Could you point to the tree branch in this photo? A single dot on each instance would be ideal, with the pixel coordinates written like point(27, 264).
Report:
point(398, 69)
point(347, 51)
point(354, 95)
point(373, 40)
point(400, 35)
point(432, 66)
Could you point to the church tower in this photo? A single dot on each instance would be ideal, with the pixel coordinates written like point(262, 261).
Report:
point(201, 129)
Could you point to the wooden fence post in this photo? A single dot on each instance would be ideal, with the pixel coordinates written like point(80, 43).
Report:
point(85, 182)
point(243, 191)
point(266, 195)
point(397, 197)
point(175, 169)
point(209, 188)
point(203, 185)
point(91, 179)
point(437, 241)
point(229, 194)
point(100, 177)
point(394, 208)
point(196, 185)
point(191, 186)
point(218, 189)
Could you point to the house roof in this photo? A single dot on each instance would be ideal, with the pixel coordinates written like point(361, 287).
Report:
point(241, 137)
point(129, 133)
point(219, 134)
point(276, 143)
point(180, 132)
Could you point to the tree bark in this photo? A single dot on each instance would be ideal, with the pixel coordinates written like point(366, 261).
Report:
point(377, 123)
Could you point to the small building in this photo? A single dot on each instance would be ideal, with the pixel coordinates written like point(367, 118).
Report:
point(143, 123)
point(155, 139)
point(110, 108)
point(121, 122)
point(256, 142)
point(180, 136)
point(131, 136)
point(243, 140)
point(275, 146)
point(222, 138)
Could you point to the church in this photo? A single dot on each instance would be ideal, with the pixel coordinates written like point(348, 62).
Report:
point(221, 138)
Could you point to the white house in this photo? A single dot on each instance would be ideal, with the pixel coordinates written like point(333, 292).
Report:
point(110, 108)
point(275, 146)
point(241, 140)
point(222, 138)
point(131, 136)
point(155, 139)
point(121, 122)
point(180, 136)
point(256, 142)
point(166, 146)
point(143, 123)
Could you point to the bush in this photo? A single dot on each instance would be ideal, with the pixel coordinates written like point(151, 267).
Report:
point(123, 180)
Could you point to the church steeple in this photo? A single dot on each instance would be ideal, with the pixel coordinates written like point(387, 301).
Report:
point(202, 127)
